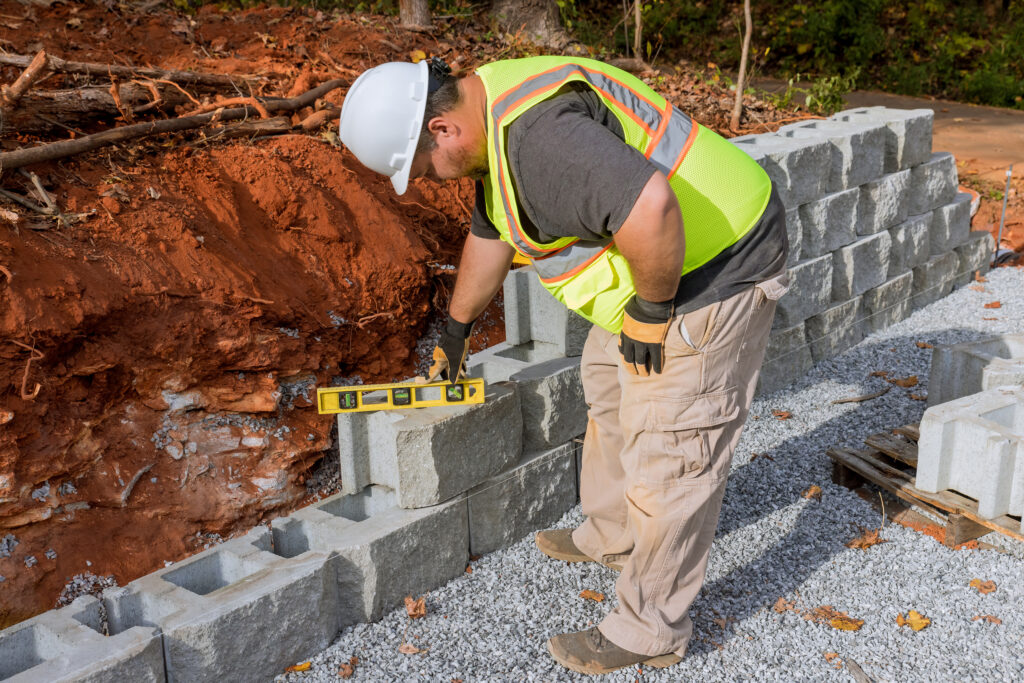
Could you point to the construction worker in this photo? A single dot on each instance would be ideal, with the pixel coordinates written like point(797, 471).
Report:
point(666, 236)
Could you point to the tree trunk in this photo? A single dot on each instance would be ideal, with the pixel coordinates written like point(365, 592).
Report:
point(414, 14)
point(536, 20)
point(737, 109)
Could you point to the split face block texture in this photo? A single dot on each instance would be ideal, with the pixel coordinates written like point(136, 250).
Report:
point(883, 203)
point(857, 150)
point(860, 266)
point(218, 610)
point(933, 183)
point(908, 136)
point(963, 369)
point(810, 292)
point(551, 395)
point(798, 167)
point(532, 496)
point(431, 455)
point(532, 314)
point(910, 243)
point(975, 255)
point(888, 303)
point(951, 224)
point(794, 235)
point(786, 358)
point(835, 330)
point(829, 223)
point(934, 278)
point(499, 362)
point(975, 445)
point(68, 644)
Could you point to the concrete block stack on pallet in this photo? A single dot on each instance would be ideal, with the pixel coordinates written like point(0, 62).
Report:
point(876, 229)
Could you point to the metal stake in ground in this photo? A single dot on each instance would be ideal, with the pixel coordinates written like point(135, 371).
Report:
point(1002, 219)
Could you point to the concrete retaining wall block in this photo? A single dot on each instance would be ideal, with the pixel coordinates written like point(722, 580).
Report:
point(934, 279)
point(554, 410)
point(950, 224)
point(883, 203)
point(532, 314)
point(908, 140)
point(810, 291)
point(799, 167)
point(499, 362)
point(533, 495)
point(430, 455)
point(835, 330)
point(68, 644)
point(860, 266)
point(910, 243)
point(858, 150)
point(963, 369)
point(974, 445)
point(794, 234)
point(888, 303)
point(829, 223)
point(787, 357)
point(933, 183)
point(975, 256)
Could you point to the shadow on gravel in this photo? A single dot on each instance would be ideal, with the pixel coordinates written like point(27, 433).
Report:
point(759, 489)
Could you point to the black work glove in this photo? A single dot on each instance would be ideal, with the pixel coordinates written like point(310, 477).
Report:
point(450, 352)
point(642, 339)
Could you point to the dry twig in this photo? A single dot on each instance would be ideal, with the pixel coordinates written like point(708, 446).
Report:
point(866, 397)
point(33, 355)
point(35, 69)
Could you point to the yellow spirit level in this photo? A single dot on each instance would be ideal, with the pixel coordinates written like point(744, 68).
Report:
point(365, 398)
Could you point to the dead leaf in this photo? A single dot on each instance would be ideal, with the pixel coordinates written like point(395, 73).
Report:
point(755, 456)
point(591, 595)
point(827, 614)
point(914, 619)
point(298, 668)
point(976, 288)
point(868, 538)
point(978, 277)
point(990, 318)
point(783, 605)
point(994, 304)
point(919, 397)
point(831, 658)
point(879, 373)
point(409, 649)
point(983, 587)
point(905, 382)
point(417, 56)
point(924, 345)
point(812, 493)
point(782, 414)
point(987, 617)
point(416, 608)
point(721, 622)
point(469, 569)
point(845, 623)
point(346, 670)
point(73, 22)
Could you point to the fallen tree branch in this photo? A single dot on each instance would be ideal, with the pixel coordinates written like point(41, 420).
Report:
point(35, 69)
point(28, 204)
point(65, 148)
point(859, 399)
point(234, 101)
point(193, 78)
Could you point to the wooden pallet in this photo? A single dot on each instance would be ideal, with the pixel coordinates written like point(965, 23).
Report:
point(890, 461)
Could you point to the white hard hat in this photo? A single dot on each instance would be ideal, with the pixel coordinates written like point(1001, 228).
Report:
point(382, 115)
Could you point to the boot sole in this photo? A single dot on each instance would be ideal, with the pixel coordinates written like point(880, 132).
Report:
point(575, 557)
point(658, 662)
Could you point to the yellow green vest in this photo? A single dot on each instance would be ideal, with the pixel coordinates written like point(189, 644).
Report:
point(722, 192)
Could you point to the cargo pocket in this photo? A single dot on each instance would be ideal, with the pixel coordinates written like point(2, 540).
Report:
point(681, 438)
point(773, 289)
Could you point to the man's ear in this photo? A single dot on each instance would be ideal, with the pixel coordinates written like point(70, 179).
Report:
point(442, 126)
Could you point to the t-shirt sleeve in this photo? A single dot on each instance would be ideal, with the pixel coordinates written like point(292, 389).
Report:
point(574, 173)
point(480, 225)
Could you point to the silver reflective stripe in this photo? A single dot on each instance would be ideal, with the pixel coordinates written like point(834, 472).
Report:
point(572, 256)
point(670, 146)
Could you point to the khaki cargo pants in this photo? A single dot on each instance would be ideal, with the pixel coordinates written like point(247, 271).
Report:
point(656, 459)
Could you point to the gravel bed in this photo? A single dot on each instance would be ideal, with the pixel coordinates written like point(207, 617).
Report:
point(772, 543)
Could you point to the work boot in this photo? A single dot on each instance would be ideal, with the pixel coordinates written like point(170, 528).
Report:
point(589, 652)
point(558, 543)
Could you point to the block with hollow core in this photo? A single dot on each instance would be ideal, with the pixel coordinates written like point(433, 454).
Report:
point(908, 138)
point(430, 455)
point(910, 243)
point(975, 256)
point(888, 303)
point(554, 409)
point(933, 279)
point(69, 644)
point(951, 224)
point(810, 292)
point(218, 610)
point(933, 183)
point(533, 495)
point(533, 314)
point(499, 362)
point(857, 149)
point(835, 330)
point(975, 445)
point(883, 203)
point(786, 358)
point(829, 222)
point(858, 267)
point(970, 367)
point(798, 167)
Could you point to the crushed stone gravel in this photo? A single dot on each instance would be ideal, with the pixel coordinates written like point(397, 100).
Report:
point(772, 543)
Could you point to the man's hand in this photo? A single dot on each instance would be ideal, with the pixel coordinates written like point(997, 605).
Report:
point(451, 352)
point(642, 339)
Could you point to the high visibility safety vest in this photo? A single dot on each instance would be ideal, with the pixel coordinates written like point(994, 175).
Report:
point(722, 192)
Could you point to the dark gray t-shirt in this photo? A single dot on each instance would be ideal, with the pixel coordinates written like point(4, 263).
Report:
point(574, 176)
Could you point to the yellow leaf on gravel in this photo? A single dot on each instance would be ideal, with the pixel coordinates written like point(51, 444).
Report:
point(298, 668)
point(924, 345)
point(591, 595)
point(868, 538)
point(845, 623)
point(906, 382)
point(416, 608)
point(987, 617)
point(409, 649)
point(983, 587)
point(914, 619)
point(812, 493)
point(783, 605)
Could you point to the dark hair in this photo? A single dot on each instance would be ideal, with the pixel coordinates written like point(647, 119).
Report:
point(440, 101)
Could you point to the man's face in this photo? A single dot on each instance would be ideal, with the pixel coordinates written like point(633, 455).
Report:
point(452, 157)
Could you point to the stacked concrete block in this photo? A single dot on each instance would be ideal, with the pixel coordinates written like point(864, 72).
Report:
point(975, 445)
point(551, 395)
point(860, 266)
point(975, 256)
point(810, 291)
point(835, 330)
point(888, 303)
point(799, 167)
point(794, 236)
point(70, 644)
point(951, 224)
point(533, 495)
point(908, 138)
point(499, 362)
point(786, 357)
point(933, 183)
point(910, 243)
point(430, 455)
point(857, 150)
point(829, 223)
point(533, 315)
point(934, 279)
point(959, 370)
point(883, 203)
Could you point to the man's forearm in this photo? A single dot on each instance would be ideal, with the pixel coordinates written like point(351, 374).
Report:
point(653, 241)
point(482, 270)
